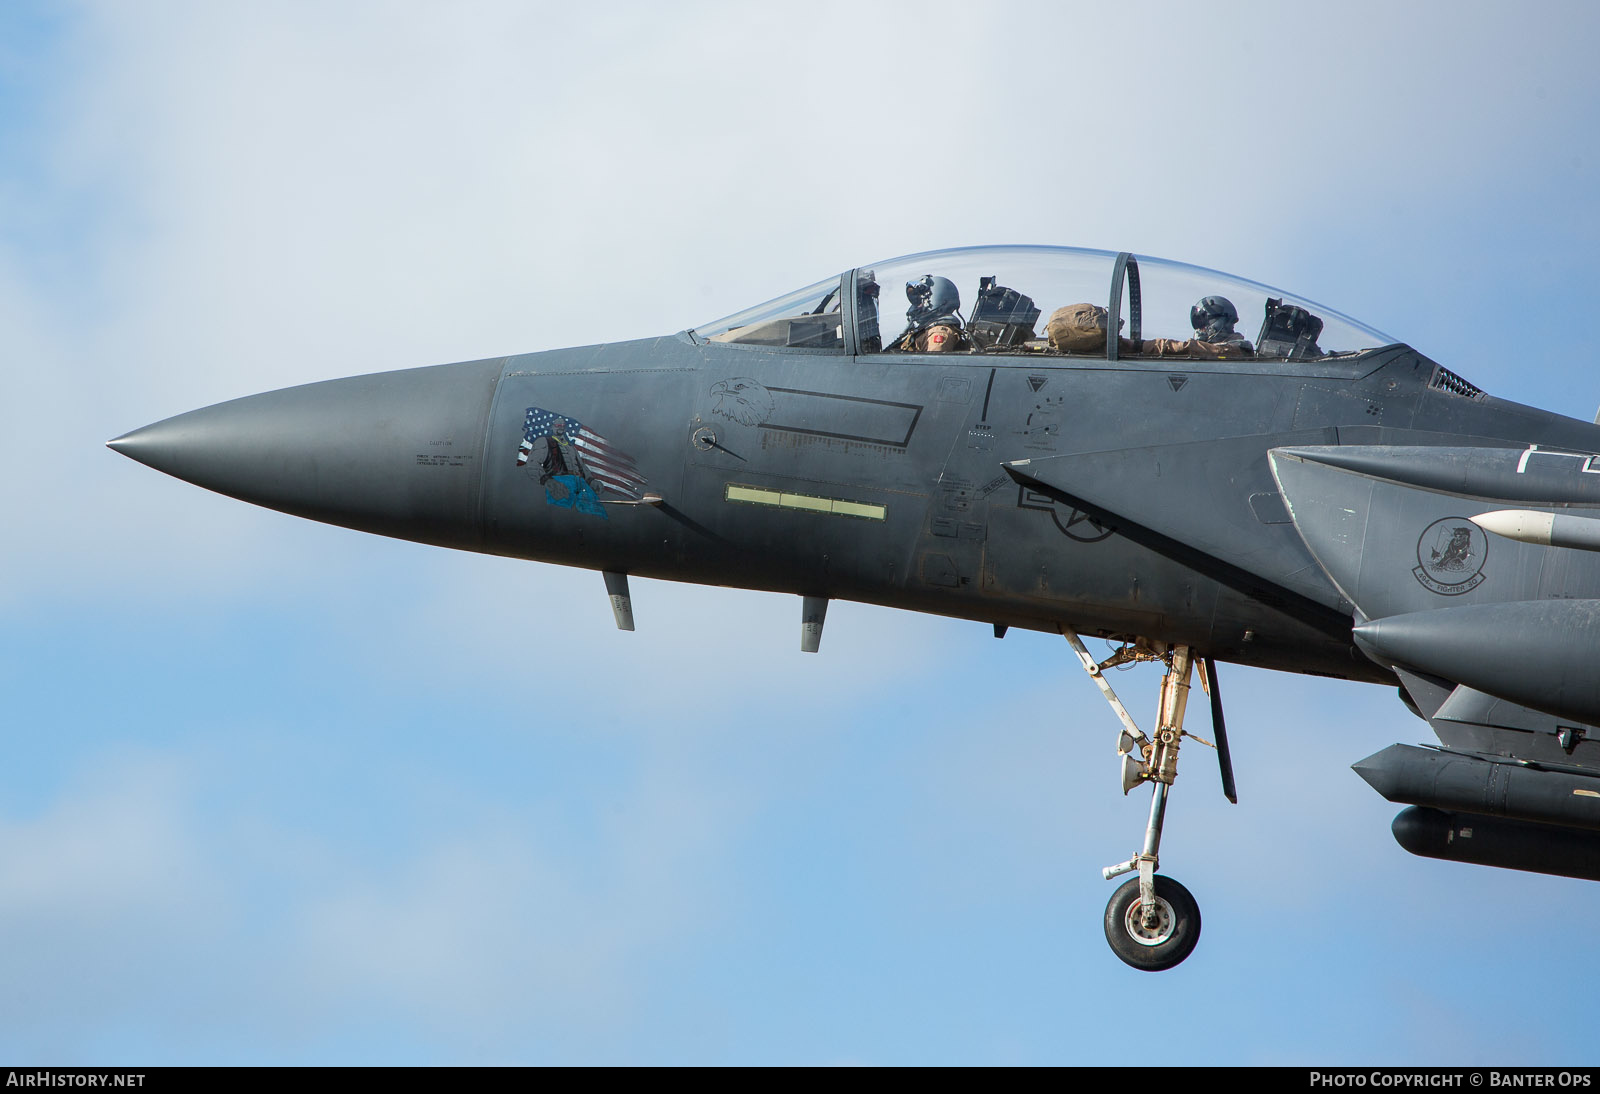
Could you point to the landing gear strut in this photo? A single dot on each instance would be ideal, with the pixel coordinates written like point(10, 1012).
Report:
point(1152, 923)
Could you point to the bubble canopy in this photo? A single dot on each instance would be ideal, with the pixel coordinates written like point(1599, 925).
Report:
point(1007, 295)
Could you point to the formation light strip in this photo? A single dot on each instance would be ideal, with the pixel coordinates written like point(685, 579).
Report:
point(782, 499)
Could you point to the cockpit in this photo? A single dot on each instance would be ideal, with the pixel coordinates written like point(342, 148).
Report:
point(1048, 302)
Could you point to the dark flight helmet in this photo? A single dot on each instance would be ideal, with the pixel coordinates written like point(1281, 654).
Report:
point(1213, 315)
point(932, 298)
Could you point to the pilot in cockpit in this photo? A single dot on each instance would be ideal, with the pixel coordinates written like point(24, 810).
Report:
point(1213, 318)
point(933, 321)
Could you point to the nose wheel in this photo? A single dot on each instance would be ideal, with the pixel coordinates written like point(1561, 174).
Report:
point(1152, 922)
point(1153, 935)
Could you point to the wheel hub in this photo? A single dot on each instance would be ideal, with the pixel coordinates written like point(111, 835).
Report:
point(1148, 930)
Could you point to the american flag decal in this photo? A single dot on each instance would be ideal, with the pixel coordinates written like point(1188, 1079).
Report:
point(599, 461)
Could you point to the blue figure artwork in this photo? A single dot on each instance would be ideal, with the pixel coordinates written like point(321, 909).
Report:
point(576, 463)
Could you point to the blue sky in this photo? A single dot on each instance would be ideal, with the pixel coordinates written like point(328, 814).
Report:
point(282, 793)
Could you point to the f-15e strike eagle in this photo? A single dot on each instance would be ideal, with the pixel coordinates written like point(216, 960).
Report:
point(1321, 500)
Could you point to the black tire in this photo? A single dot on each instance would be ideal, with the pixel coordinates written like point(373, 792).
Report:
point(1169, 942)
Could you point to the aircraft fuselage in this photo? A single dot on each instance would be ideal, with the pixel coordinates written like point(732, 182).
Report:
point(879, 478)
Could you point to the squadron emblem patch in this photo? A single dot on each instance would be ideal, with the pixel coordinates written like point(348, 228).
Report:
point(1450, 556)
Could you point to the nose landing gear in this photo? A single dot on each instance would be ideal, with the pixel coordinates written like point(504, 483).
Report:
point(1152, 922)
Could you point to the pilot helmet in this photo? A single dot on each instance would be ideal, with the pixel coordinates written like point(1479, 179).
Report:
point(931, 298)
point(1213, 315)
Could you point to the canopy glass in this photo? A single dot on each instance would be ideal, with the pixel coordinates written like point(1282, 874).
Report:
point(1002, 299)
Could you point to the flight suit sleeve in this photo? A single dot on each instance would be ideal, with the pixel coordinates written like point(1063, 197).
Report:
point(1193, 347)
point(1221, 351)
point(1166, 347)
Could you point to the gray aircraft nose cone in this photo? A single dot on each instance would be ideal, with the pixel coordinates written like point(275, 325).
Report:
point(395, 453)
point(129, 444)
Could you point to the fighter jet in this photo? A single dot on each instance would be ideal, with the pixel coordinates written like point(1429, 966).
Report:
point(1128, 465)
